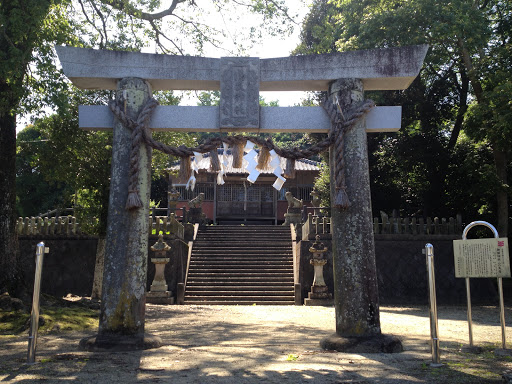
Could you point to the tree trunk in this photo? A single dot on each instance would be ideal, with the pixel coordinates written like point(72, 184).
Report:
point(9, 253)
point(500, 161)
point(98, 269)
point(21, 22)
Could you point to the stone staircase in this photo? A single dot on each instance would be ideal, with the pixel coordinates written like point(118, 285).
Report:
point(241, 265)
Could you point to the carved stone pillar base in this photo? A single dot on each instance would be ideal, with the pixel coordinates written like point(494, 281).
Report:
point(319, 295)
point(163, 297)
point(293, 216)
point(196, 215)
point(378, 343)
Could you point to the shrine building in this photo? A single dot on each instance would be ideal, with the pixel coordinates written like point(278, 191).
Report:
point(240, 201)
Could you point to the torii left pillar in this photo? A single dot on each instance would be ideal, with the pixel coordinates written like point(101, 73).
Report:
point(126, 253)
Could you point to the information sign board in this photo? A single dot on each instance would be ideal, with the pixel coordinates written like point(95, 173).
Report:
point(481, 257)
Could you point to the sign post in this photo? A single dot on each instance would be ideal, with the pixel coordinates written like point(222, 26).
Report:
point(434, 328)
point(34, 316)
point(482, 258)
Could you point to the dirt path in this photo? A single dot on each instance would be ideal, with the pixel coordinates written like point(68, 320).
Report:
point(258, 344)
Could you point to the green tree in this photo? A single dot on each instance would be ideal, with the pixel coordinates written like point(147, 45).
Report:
point(469, 41)
point(25, 37)
point(34, 194)
point(30, 80)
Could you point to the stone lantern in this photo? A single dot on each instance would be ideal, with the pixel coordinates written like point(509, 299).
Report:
point(319, 294)
point(158, 293)
point(172, 201)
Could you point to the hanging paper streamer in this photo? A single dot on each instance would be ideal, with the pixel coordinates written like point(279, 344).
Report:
point(275, 165)
point(220, 177)
point(191, 183)
point(249, 145)
point(198, 157)
point(253, 175)
point(278, 184)
point(251, 162)
point(225, 161)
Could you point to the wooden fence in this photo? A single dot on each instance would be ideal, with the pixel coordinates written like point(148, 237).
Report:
point(48, 226)
point(317, 224)
point(69, 226)
point(166, 225)
point(418, 226)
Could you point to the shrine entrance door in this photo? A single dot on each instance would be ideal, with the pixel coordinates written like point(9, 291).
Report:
point(245, 201)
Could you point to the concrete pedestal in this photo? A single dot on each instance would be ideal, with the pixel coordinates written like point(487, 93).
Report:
point(158, 293)
point(293, 216)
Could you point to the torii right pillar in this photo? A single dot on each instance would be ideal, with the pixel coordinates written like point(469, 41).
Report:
point(356, 294)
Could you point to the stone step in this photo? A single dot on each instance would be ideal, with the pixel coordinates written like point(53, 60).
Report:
point(240, 288)
point(246, 228)
point(278, 236)
point(210, 301)
point(237, 263)
point(241, 241)
point(231, 293)
point(247, 233)
point(242, 248)
point(240, 251)
point(264, 267)
point(243, 272)
point(227, 271)
point(249, 299)
point(213, 278)
point(233, 266)
point(241, 258)
point(245, 284)
point(241, 265)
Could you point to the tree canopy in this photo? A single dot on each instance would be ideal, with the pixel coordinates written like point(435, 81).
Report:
point(430, 166)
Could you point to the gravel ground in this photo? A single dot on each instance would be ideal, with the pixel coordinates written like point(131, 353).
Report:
point(268, 344)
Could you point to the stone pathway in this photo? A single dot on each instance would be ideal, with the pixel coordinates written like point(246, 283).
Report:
point(267, 344)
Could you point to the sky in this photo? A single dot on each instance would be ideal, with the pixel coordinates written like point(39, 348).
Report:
point(268, 47)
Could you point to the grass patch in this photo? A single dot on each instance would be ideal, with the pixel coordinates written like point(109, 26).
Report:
point(54, 319)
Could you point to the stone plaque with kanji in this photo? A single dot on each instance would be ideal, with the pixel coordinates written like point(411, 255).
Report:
point(239, 93)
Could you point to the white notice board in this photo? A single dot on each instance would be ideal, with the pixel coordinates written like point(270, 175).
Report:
point(481, 258)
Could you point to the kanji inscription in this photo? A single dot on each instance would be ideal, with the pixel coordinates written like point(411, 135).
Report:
point(239, 92)
point(481, 258)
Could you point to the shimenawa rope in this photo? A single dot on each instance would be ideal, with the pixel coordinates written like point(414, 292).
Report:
point(140, 134)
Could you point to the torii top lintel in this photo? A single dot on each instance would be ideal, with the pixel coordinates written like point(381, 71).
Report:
point(379, 69)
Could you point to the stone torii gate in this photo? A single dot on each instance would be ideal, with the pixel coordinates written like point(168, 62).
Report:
point(344, 75)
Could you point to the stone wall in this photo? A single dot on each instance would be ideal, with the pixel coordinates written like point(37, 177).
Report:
point(402, 275)
point(69, 267)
